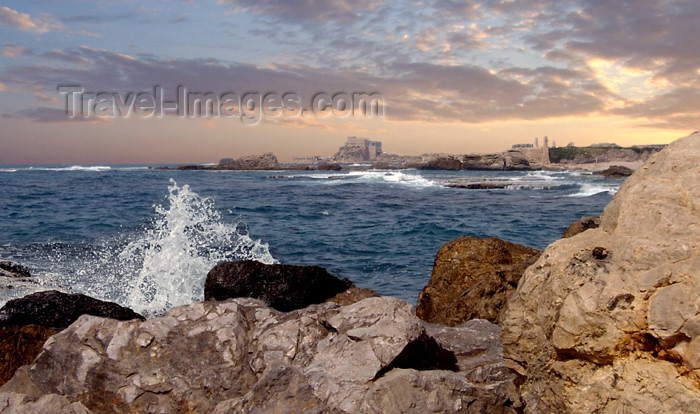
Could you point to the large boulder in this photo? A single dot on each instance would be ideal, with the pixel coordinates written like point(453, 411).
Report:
point(609, 320)
point(57, 310)
point(472, 278)
point(283, 287)
point(242, 356)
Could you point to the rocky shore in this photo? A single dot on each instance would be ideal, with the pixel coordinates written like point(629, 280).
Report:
point(515, 159)
point(606, 319)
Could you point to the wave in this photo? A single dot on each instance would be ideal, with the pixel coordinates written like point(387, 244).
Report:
point(158, 267)
point(384, 176)
point(89, 168)
point(173, 257)
point(590, 189)
point(393, 177)
point(70, 168)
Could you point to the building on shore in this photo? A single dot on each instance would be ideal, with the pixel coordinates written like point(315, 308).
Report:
point(358, 150)
point(314, 159)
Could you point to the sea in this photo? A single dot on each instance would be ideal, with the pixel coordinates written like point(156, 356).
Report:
point(146, 238)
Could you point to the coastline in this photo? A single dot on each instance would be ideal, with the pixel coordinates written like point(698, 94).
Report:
point(584, 331)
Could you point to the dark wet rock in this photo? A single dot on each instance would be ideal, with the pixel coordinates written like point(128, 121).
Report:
point(579, 226)
point(58, 310)
point(283, 287)
point(478, 186)
point(616, 171)
point(19, 345)
point(473, 278)
point(11, 269)
point(329, 167)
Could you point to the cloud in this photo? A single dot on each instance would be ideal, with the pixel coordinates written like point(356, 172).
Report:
point(51, 115)
point(13, 50)
point(306, 10)
point(442, 61)
point(412, 91)
point(27, 23)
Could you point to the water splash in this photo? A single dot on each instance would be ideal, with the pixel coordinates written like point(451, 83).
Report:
point(152, 269)
point(590, 189)
point(172, 258)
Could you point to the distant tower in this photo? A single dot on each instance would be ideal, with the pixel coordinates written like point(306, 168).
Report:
point(537, 142)
point(554, 143)
point(546, 142)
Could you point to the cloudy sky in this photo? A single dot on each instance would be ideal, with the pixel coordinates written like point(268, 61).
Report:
point(453, 76)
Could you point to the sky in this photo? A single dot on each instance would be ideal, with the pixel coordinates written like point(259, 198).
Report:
point(179, 81)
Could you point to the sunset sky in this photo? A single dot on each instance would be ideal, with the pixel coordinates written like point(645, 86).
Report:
point(455, 77)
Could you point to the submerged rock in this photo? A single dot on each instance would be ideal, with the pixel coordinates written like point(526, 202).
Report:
point(609, 320)
point(283, 287)
point(12, 269)
point(472, 278)
point(58, 310)
point(242, 356)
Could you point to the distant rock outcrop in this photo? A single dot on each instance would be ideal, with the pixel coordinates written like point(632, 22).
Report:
point(609, 320)
point(283, 287)
point(266, 161)
point(616, 171)
point(601, 154)
point(350, 154)
point(472, 278)
point(374, 356)
point(517, 159)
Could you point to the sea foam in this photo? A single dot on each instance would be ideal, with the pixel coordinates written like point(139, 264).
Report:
point(171, 259)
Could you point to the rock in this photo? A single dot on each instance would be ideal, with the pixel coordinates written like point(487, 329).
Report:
point(12, 403)
point(352, 295)
point(283, 287)
point(609, 320)
point(579, 226)
point(19, 345)
point(11, 269)
point(616, 171)
point(349, 154)
point(267, 161)
point(242, 356)
point(329, 167)
point(443, 162)
point(472, 278)
point(479, 186)
point(58, 310)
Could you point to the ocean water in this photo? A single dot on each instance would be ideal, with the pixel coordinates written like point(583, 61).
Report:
point(146, 238)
